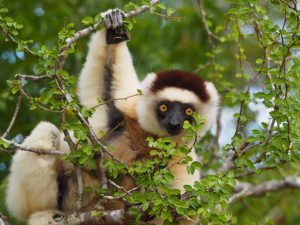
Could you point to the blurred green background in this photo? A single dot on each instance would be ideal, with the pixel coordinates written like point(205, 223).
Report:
point(156, 44)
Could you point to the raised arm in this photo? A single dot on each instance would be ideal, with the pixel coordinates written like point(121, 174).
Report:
point(108, 73)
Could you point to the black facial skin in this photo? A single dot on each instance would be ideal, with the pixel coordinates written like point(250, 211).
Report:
point(172, 119)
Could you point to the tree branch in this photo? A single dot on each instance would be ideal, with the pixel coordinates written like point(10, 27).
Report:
point(202, 13)
point(244, 189)
point(14, 115)
point(33, 77)
point(97, 217)
point(3, 220)
point(89, 30)
point(13, 146)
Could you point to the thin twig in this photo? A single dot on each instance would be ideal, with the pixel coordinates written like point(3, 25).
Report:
point(14, 41)
point(13, 146)
point(169, 17)
point(122, 195)
point(13, 119)
point(115, 99)
point(38, 104)
point(247, 92)
point(33, 77)
point(182, 157)
point(89, 30)
point(265, 168)
point(270, 131)
point(3, 220)
point(202, 13)
point(78, 171)
point(119, 187)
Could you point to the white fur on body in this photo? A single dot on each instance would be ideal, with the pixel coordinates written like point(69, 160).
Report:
point(91, 80)
point(32, 181)
point(32, 189)
point(125, 81)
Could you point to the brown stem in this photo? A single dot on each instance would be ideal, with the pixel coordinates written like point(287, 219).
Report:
point(3, 220)
point(13, 146)
point(33, 77)
point(246, 189)
point(13, 119)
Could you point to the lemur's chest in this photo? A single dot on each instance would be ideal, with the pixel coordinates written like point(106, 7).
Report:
point(130, 145)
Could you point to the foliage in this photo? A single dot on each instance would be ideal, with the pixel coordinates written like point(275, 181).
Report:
point(245, 45)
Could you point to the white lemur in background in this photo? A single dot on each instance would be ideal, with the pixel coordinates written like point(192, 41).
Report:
point(42, 187)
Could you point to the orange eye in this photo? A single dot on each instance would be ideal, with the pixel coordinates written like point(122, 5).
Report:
point(189, 111)
point(163, 108)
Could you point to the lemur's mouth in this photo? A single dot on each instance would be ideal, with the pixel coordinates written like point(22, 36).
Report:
point(174, 133)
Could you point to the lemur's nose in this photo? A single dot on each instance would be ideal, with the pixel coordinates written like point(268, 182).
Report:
point(174, 126)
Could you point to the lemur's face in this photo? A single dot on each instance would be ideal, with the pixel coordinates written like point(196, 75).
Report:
point(172, 114)
point(170, 97)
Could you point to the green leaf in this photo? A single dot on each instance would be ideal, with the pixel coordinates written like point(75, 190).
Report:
point(160, 5)
point(87, 20)
point(3, 10)
point(170, 11)
point(250, 164)
point(145, 206)
point(259, 61)
point(4, 143)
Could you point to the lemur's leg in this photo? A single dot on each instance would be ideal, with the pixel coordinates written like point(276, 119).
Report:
point(32, 183)
point(182, 177)
point(108, 73)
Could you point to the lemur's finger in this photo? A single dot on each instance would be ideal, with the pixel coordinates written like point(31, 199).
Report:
point(113, 19)
point(116, 18)
point(119, 17)
point(106, 19)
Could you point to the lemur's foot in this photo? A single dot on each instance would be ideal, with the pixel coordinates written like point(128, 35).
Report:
point(113, 18)
point(44, 137)
point(46, 218)
point(113, 21)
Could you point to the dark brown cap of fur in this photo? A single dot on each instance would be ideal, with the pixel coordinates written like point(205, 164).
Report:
point(181, 79)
